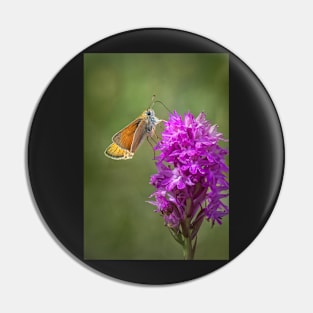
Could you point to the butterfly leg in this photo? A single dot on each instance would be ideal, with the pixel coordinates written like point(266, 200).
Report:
point(152, 146)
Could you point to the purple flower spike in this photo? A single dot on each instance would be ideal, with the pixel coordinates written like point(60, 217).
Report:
point(191, 177)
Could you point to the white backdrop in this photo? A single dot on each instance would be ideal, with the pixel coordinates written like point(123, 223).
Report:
point(274, 38)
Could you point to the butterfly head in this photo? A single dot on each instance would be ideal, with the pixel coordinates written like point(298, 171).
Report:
point(151, 119)
point(150, 113)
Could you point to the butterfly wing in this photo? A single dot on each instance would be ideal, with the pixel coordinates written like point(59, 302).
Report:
point(139, 136)
point(113, 151)
point(124, 138)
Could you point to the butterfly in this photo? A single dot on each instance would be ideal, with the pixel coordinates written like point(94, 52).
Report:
point(127, 141)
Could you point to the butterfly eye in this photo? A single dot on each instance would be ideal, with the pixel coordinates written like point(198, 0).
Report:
point(148, 113)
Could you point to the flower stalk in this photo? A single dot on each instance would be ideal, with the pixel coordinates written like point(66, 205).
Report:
point(188, 246)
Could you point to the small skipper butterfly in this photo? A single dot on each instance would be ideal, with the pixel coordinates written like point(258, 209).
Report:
point(127, 141)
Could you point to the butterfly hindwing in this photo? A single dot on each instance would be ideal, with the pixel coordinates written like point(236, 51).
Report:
point(113, 151)
point(139, 136)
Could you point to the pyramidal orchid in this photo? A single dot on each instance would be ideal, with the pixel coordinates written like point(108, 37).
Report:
point(191, 180)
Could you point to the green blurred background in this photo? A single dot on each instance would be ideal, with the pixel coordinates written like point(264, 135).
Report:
point(118, 223)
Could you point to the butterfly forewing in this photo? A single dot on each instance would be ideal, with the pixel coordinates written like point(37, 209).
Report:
point(124, 138)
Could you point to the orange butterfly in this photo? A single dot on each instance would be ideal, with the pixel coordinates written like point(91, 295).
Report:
point(127, 141)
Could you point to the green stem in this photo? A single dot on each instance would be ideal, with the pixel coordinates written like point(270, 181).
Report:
point(188, 250)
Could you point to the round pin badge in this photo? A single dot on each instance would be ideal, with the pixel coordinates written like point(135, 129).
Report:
point(155, 156)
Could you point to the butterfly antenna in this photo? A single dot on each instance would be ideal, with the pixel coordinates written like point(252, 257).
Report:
point(153, 102)
point(164, 106)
